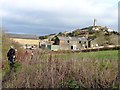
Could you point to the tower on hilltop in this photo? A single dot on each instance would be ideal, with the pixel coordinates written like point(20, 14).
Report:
point(94, 22)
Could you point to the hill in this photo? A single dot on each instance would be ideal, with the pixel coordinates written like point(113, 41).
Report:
point(22, 36)
point(102, 35)
point(89, 31)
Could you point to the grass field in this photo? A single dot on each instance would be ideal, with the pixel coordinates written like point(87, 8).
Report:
point(113, 55)
point(100, 55)
point(63, 69)
point(73, 70)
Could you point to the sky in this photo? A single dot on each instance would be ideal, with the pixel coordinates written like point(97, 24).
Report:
point(43, 17)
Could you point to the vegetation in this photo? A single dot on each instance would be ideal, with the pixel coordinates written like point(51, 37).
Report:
point(65, 69)
point(0, 53)
point(6, 43)
point(43, 37)
point(104, 39)
point(101, 36)
point(99, 55)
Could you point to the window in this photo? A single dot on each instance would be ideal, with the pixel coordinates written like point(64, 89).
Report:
point(68, 41)
point(79, 41)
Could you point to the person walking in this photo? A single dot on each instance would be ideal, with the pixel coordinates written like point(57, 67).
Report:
point(11, 57)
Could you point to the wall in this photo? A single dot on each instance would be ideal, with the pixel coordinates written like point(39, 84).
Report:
point(67, 46)
point(53, 47)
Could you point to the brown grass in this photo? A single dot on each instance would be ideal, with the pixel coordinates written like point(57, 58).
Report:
point(48, 71)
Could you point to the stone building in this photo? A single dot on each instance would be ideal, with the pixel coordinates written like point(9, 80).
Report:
point(69, 43)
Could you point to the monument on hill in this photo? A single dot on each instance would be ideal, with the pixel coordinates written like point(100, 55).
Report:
point(94, 23)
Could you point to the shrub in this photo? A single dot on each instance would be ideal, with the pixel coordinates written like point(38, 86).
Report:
point(51, 71)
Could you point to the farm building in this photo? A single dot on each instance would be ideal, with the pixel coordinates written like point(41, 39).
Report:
point(28, 41)
point(72, 43)
point(69, 43)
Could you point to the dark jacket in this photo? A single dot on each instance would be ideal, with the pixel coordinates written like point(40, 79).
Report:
point(10, 54)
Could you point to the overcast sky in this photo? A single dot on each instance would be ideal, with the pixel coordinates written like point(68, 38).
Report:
point(43, 17)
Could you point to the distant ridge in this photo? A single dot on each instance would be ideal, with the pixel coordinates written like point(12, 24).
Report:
point(22, 36)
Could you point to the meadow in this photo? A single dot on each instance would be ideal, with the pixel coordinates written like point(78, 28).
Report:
point(99, 55)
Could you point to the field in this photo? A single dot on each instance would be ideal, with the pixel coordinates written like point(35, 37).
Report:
point(100, 55)
point(50, 69)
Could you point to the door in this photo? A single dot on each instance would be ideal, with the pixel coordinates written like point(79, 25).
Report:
point(89, 44)
point(71, 47)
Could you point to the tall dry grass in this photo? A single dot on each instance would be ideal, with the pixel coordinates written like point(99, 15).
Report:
point(6, 43)
point(50, 71)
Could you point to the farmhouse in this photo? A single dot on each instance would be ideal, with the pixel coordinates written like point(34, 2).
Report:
point(69, 43)
point(27, 41)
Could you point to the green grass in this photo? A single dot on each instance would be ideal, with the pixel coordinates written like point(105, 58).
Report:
point(111, 55)
point(16, 68)
point(99, 55)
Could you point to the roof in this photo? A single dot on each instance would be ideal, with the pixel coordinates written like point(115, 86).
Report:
point(82, 38)
point(72, 38)
point(23, 36)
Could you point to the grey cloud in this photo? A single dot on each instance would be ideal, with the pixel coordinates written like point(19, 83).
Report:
point(46, 22)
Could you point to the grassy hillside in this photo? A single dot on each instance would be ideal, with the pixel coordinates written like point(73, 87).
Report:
point(100, 35)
